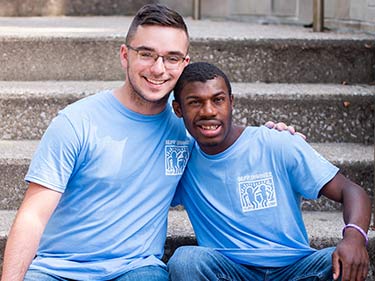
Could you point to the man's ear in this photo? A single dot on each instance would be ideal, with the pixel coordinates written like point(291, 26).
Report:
point(232, 101)
point(177, 108)
point(187, 60)
point(124, 56)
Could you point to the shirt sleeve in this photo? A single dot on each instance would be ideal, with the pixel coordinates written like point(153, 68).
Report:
point(55, 156)
point(308, 170)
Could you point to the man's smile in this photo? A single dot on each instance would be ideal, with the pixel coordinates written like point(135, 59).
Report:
point(209, 127)
point(156, 81)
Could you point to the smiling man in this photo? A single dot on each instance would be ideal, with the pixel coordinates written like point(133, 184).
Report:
point(242, 190)
point(152, 66)
point(106, 169)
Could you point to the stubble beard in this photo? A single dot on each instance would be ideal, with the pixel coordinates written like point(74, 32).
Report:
point(139, 98)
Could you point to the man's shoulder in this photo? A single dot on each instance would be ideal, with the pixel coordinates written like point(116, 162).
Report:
point(273, 134)
point(85, 104)
point(271, 139)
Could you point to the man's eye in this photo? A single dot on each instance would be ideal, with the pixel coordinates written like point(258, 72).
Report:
point(193, 102)
point(145, 54)
point(173, 59)
point(219, 100)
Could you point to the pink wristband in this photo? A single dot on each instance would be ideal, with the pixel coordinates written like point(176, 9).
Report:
point(359, 229)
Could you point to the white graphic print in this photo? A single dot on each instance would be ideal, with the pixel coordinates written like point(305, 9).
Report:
point(176, 157)
point(257, 192)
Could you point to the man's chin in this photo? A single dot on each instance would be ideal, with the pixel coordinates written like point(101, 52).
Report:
point(161, 98)
point(207, 143)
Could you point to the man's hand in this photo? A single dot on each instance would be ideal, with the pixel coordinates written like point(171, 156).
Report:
point(281, 126)
point(350, 258)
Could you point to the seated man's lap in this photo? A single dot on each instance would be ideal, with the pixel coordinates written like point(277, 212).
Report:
point(317, 266)
point(149, 273)
point(38, 275)
point(202, 262)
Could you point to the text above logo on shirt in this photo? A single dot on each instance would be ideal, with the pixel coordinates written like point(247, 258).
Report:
point(177, 142)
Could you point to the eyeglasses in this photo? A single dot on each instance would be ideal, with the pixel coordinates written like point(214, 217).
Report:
point(149, 57)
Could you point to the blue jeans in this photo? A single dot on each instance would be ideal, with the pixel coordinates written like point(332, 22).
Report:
point(200, 263)
point(145, 273)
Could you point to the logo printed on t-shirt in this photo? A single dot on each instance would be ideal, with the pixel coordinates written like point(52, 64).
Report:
point(176, 157)
point(257, 192)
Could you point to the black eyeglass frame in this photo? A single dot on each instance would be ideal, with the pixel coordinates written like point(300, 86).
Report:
point(156, 56)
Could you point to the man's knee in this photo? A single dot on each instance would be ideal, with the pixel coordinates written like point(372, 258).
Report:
point(190, 259)
point(189, 255)
point(37, 275)
point(326, 256)
point(321, 263)
point(194, 263)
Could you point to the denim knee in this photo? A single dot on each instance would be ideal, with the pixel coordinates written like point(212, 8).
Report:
point(149, 272)
point(317, 266)
point(188, 261)
point(200, 263)
point(38, 275)
point(186, 256)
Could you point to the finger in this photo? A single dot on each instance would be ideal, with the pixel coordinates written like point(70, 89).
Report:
point(270, 124)
point(301, 135)
point(291, 130)
point(335, 266)
point(364, 271)
point(281, 126)
point(354, 272)
point(347, 271)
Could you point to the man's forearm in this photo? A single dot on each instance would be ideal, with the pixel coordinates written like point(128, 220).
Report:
point(357, 207)
point(20, 249)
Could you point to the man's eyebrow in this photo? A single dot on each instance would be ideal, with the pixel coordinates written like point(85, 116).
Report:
point(145, 48)
point(191, 96)
point(176, 53)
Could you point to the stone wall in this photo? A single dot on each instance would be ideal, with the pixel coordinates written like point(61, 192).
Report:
point(342, 14)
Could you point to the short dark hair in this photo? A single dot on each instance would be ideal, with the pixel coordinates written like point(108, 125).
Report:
point(199, 72)
point(156, 14)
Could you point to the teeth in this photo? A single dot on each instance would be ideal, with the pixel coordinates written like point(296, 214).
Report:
point(156, 82)
point(211, 127)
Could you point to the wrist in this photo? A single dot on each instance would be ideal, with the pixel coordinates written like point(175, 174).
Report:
point(358, 229)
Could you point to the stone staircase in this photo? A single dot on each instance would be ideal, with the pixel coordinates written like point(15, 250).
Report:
point(321, 83)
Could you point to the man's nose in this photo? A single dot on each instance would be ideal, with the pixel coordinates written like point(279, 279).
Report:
point(208, 109)
point(158, 66)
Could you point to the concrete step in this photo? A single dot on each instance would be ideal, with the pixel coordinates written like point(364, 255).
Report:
point(27, 108)
point(355, 161)
point(324, 229)
point(35, 8)
point(87, 48)
point(323, 112)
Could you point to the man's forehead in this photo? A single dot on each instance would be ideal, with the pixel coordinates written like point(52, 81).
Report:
point(161, 38)
point(214, 86)
point(160, 30)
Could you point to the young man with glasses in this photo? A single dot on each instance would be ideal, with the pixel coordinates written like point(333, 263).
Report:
point(106, 169)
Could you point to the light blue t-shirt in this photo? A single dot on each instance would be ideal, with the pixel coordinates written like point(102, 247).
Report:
point(118, 171)
point(245, 201)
